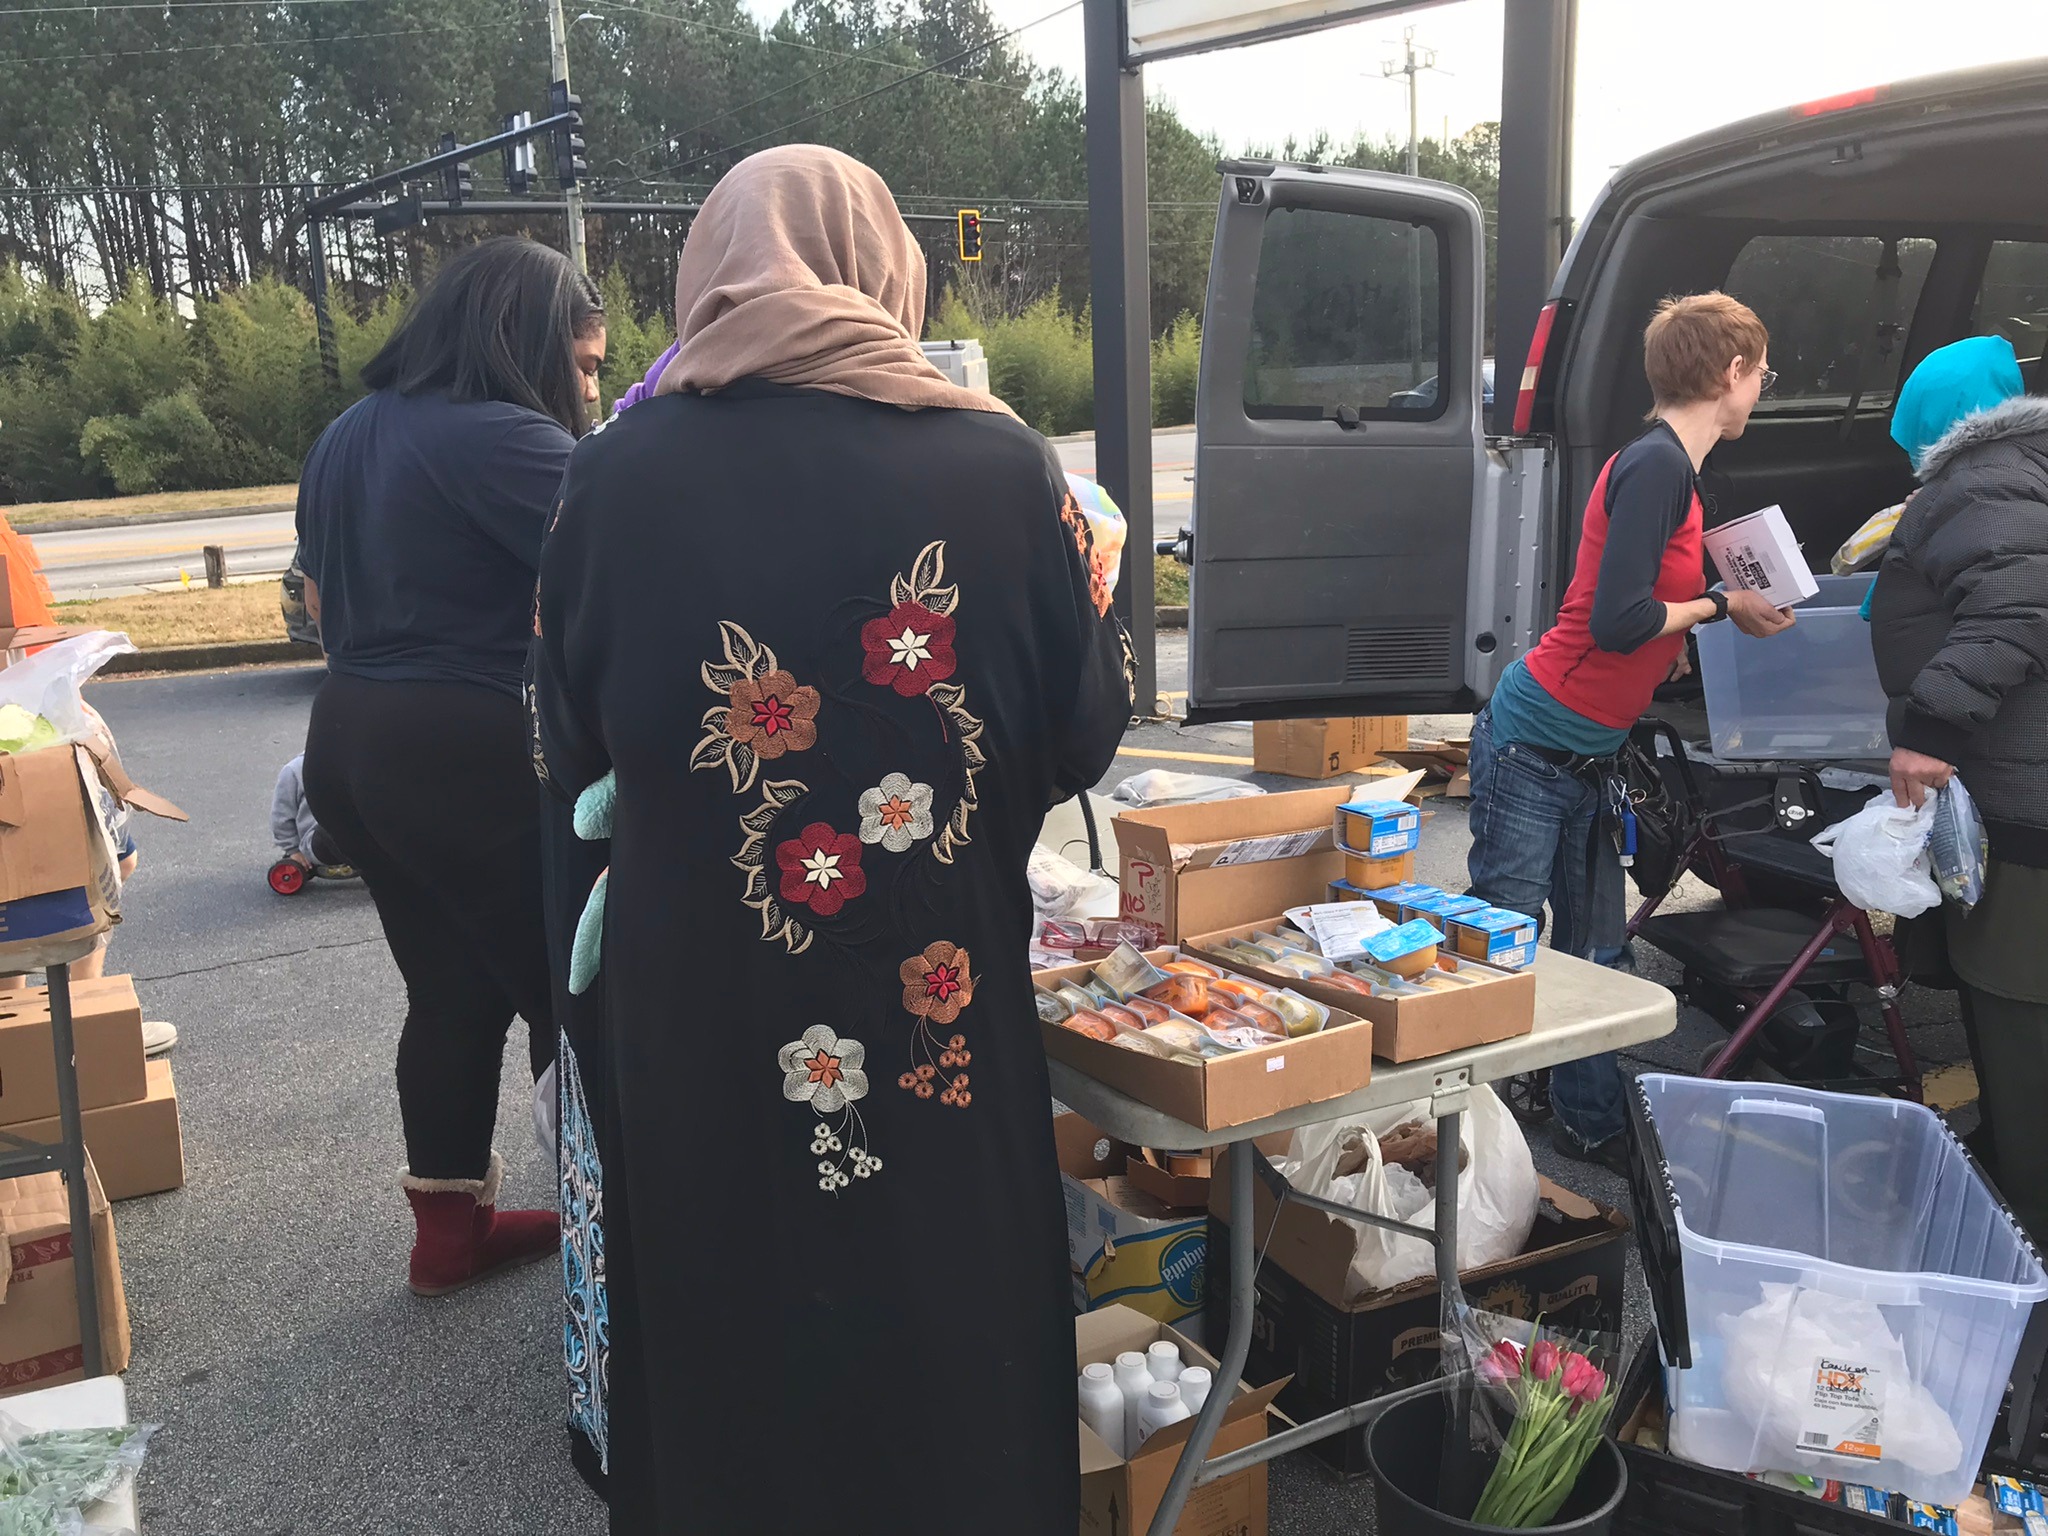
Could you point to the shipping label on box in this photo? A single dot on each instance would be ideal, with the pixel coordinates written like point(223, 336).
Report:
point(1758, 554)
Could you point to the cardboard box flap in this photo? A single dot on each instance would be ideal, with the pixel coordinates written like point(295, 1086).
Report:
point(126, 789)
point(1095, 1456)
point(1109, 1331)
point(1250, 830)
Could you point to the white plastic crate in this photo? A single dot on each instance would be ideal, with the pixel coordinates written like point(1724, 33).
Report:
point(1851, 1293)
point(1808, 692)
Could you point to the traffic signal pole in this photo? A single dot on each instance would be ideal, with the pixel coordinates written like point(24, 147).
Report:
point(572, 191)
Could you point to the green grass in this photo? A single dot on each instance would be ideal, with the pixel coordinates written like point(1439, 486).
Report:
point(1169, 583)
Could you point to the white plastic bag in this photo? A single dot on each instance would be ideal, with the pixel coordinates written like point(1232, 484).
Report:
point(1062, 888)
point(1162, 786)
point(48, 682)
point(1880, 857)
point(1769, 1356)
point(1497, 1191)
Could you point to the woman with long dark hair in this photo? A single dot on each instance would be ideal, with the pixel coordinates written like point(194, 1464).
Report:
point(421, 511)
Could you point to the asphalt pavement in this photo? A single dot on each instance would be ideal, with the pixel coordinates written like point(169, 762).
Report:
point(304, 1390)
point(118, 561)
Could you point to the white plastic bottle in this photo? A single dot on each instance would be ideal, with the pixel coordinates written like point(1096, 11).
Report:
point(1102, 1405)
point(1162, 1407)
point(1194, 1387)
point(1132, 1380)
point(1163, 1361)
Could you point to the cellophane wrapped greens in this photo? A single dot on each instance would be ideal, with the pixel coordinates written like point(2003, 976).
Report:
point(48, 1478)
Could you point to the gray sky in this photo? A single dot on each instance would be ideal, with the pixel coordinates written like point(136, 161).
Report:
point(1650, 71)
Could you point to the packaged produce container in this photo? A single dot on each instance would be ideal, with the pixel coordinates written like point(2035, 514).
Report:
point(1838, 1290)
point(1808, 692)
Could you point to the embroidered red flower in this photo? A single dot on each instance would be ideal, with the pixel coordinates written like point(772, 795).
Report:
point(909, 650)
point(772, 714)
point(821, 869)
point(938, 983)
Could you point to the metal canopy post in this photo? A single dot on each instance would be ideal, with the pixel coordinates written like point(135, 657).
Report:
point(1120, 286)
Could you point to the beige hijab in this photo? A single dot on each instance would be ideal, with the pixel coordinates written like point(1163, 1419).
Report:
point(799, 270)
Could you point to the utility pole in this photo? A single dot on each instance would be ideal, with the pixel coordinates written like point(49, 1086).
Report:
point(1413, 62)
point(572, 191)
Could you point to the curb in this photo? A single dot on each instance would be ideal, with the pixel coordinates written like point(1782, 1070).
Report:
point(1169, 618)
point(197, 514)
point(209, 658)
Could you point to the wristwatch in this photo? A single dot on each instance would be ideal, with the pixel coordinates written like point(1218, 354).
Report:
point(1720, 601)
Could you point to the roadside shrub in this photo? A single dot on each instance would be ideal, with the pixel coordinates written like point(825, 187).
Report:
point(1041, 361)
point(167, 446)
point(1176, 361)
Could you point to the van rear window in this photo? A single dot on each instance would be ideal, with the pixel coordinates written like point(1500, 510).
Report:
point(1346, 312)
point(1837, 307)
point(2013, 301)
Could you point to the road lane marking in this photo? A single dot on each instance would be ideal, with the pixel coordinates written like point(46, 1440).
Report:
point(1185, 757)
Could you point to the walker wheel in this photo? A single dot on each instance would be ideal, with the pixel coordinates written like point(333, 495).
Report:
point(287, 877)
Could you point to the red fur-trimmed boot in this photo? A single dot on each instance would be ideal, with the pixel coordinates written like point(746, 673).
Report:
point(461, 1236)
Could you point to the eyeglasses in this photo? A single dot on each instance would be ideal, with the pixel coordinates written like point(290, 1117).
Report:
point(1770, 382)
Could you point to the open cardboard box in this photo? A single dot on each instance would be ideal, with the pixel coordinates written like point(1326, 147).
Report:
point(1190, 868)
point(1119, 1497)
point(1248, 1085)
point(1121, 1242)
point(1403, 1028)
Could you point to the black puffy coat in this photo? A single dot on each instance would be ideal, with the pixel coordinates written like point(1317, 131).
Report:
point(1959, 621)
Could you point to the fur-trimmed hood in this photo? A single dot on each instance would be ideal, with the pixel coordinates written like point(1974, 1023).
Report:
point(2021, 416)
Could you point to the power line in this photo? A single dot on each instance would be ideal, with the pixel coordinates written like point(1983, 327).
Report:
point(855, 101)
point(292, 42)
point(159, 5)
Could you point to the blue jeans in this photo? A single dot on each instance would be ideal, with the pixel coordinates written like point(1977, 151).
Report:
point(1536, 837)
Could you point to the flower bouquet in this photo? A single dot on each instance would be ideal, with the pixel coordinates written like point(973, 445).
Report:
point(1559, 1400)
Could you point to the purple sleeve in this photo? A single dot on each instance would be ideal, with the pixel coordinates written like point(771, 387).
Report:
point(645, 387)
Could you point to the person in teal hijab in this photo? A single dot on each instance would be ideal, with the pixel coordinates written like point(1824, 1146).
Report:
point(1952, 382)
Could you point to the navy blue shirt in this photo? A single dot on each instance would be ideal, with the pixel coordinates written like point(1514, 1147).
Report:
point(420, 521)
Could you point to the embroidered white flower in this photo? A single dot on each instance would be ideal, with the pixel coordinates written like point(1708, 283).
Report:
point(823, 1071)
point(822, 868)
point(896, 813)
point(909, 648)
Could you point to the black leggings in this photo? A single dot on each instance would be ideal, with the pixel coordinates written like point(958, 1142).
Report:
point(428, 788)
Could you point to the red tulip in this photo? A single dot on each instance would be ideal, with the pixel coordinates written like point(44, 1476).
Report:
point(1543, 1360)
point(1502, 1363)
point(1584, 1382)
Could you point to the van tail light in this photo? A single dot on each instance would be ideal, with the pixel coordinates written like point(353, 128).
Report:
point(1847, 99)
point(1532, 370)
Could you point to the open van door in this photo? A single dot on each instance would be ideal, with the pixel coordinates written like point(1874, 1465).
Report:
point(1339, 448)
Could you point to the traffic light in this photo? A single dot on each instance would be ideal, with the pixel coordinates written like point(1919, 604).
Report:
point(518, 157)
point(970, 234)
point(456, 183)
point(398, 215)
point(570, 165)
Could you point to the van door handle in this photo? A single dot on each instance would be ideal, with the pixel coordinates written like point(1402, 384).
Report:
point(1346, 416)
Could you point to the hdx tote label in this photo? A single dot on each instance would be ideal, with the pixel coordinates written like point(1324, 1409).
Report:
point(1845, 1414)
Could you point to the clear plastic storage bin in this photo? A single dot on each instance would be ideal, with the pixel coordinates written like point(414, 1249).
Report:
point(1848, 1293)
point(1809, 692)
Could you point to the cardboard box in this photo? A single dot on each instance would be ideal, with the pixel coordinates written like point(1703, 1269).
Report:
point(1446, 767)
point(1118, 1497)
point(59, 881)
point(1193, 868)
point(1247, 1085)
point(1758, 553)
point(138, 1148)
point(1128, 1248)
point(1339, 1352)
point(39, 1339)
point(1321, 749)
point(106, 1037)
point(1403, 1028)
point(1177, 1180)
